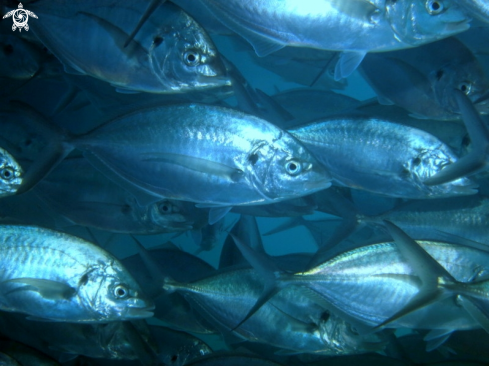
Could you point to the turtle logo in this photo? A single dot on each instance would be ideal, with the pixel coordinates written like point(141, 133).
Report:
point(20, 17)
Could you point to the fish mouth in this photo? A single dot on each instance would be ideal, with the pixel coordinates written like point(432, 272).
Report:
point(138, 309)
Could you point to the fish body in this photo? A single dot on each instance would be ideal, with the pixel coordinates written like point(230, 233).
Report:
point(290, 320)
point(270, 25)
point(19, 59)
point(86, 197)
point(10, 174)
point(204, 154)
point(381, 157)
point(171, 53)
point(477, 8)
point(374, 282)
point(58, 277)
point(421, 79)
point(452, 219)
point(377, 27)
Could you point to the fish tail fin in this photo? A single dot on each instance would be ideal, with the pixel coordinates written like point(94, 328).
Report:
point(268, 272)
point(479, 135)
point(57, 147)
point(437, 283)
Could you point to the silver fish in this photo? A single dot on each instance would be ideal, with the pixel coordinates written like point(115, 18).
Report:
point(213, 156)
point(84, 196)
point(375, 283)
point(58, 277)
point(381, 157)
point(10, 174)
point(284, 321)
point(354, 26)
point(171, 53)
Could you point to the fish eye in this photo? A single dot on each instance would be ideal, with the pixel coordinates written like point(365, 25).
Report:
point(465, 87)
point(434, 7)
point(120, 291)
point(191, 58)
point(293, 167)
point(7, 173)
point(8, 49)
point(165, 208)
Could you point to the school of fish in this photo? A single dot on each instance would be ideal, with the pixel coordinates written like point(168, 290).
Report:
point(230, 182)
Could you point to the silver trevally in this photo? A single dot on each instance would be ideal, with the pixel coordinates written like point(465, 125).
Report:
point(171, 53)
point(213, 156)
point(58, 277)
point(10, 174)
point(381, 157)
point(353, 26)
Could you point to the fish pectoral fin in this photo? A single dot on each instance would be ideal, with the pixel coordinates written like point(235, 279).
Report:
point(218, 213)
point(48, 289)
point(477, 309)
point(196, 164)
point(134, 48)
point(348, 62)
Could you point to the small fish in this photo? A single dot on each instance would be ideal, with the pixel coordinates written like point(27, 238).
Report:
point(58, 277)
point(11, 174)
point(171, 53)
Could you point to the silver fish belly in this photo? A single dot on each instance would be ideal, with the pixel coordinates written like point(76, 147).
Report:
point(58, 277)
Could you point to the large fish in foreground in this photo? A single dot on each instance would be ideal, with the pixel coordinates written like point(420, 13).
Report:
point(213, 156)
point(57, 277)
point(353, 26)
point(171, 53)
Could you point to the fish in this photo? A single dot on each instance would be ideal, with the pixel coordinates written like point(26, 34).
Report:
point(425, 88)
point(84, 196)
point(381, 157)
point(234, 158)
point(58, 277)
point(354, 27)
point(171, 53)
point(19, 59)
point(11, 174)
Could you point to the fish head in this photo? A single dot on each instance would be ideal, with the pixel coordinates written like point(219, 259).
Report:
point(467, 77)
point(423, 21)
point(187, 57)
point(283, 169)
point(170, 215)
point(427, 163)
point(341, 338)
point(113, 294)
point(11, 174)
